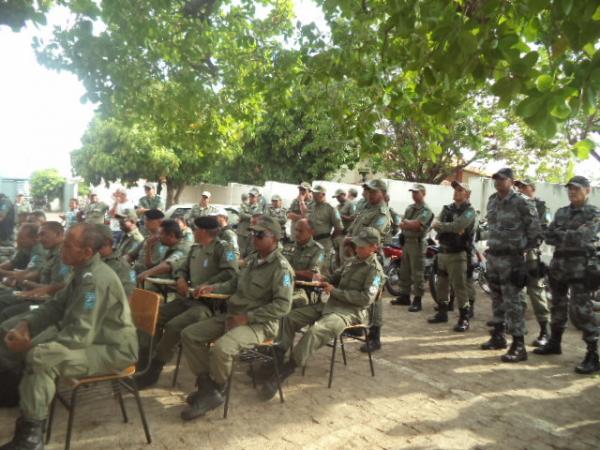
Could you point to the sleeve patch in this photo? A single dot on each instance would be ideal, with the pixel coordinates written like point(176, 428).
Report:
point(205, 263)
point(132, 276)
point(287, 280)
point(321, 258)
point(380, 222)
point(89, 301)
point(64, 270)
point(230, 255)
point(469, 214)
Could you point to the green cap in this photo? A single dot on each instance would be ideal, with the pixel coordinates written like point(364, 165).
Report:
point(353, 192)
point(367, 236)
point(276, 198)
point(319, 189)
point(376, 185)
point(254, 192)
point(418, 187)
point(503, 174)
point(461, 185)
point(267, 223)
point(525, 182)
point(304, 185)
point(128, 214)
point(579, 181)
point(339, 192)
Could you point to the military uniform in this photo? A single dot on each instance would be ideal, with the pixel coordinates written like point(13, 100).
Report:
point(307, 257)
point(243, 228)
point(155, 202)
point(21, 208)
point(228, 235)
point(7, 220)
point(188, 235)
point(95, 212)
point(123, 270)
point(86, 329)
point(279, 214)
point(323, 219)
point(200, 211)
point(131, 244)
point(344, 209)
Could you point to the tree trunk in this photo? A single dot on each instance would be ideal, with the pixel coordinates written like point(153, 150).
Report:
point(174, 190)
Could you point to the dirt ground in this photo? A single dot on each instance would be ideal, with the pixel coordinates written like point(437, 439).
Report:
point(433, 389)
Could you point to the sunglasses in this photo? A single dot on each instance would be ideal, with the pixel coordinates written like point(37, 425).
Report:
point(260, 234)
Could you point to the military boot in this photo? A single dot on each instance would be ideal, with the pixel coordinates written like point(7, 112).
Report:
point(374, 338)
point(543, 337)
point(267, 368)
point(463, 320)
point(211, 397)
point(29, 435)
point(202, 384)
point(269, 389)
point(517, 351)
point(590, 363)
point(402, 299)
point(471, 309)
point(416, 305)
point(150, 377)
point(441, 316)
point(497, 340)
point(552, 347)
point(451, 303)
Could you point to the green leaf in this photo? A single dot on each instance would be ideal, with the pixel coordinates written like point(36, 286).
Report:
point(567, 6)
point(584, 148)
point(543, 83)
point(561, 110)
point(432, 107)
point(529, 107)
point(596, 15)
point(506, 88)
point(386, 99)
point(468, 42)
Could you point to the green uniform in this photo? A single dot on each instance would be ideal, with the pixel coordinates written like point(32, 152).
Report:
point(155, 202)
point(535, 284)
point(263, 292)
point(188, 235)
point(199, 211)
point(95, 212)
point(412, 269)
point(279, 214)
point(358, 284)
point(455, 234)
point(131, 244)
point(324, 218)
point(308, 257)
point(360, 204)
point(211, 264)
point(228, 235)
point(7, 220)
point(21, 208)
point(123, 270)
point(295, 208)
point(86, 329)
point(243, 228)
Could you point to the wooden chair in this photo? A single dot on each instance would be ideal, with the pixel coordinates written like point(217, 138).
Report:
point(144, 309)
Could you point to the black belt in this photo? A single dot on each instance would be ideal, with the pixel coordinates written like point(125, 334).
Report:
point(318, 237)
point(569, 253)
point(505, 252)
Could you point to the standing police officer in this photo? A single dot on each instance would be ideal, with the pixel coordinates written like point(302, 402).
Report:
point(324, 219)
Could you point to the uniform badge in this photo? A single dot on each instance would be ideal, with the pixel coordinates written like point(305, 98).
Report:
point(230, 256)
point(64, 270)
point(132, 276)
point(380, 222)
point(287, 280)
point(89, 301)
point(205, 263)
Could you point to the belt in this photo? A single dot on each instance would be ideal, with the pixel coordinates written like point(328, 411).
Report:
point(505, 252)
point(318, 237)
point(569, 253)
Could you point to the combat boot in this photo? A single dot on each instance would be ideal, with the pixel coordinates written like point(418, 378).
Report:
point(269, 389)
point(416, 305)
point(552, 347)
point(451, 303)
point(517, 351)
point(463, 320)
point(267, 369)
point(590, 363)
point(29, 435)
point(497, 340)
point(471, 309)
point(441, 316)
point(209, 397)
point(402, 299)
point(150, 377)
point(543, 337)
point(374, 338)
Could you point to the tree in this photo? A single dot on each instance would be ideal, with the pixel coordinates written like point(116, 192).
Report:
point(15, 13)
point(47, 185)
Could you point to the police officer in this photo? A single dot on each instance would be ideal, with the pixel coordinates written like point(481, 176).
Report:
point(575, 267)
point(246, 212)
point(209, 261)
point(262, 296)
point(186, 231)
point(278, 212)
point(150, 201)
point(7, 220)
point(133, 238)
point(29, 255)
point(455, 230)
point(415, 226)
point(375, 214)
point(351, 289)
point(226, 233)
point(95, 211)
point(514, 228)
point(347, 211)
point(203, 208)
point(114, 260)
point(535, 285)
point(84, 330)
point(326, 222)
point(306, 259)
point(151, 251)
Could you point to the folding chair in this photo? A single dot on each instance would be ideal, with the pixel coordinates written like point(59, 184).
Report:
point(144, 309)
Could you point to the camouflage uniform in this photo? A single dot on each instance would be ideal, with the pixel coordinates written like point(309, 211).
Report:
point(229, 236)
point(131, 244)
point(279, 214)
point(324, 218)
point(199, 211)
point(155, 202)
point(243, 228)
point(95, 212)
point(307, 257)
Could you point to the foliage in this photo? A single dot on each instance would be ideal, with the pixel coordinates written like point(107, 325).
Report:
point(15, 13)
point(47, 184)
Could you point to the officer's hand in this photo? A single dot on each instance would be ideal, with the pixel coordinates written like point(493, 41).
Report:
point(18, 340)
point(327, 287)
point(201, 290)
point(141, 278)
point(36, 293)
point(318, 277)
point(435, 224)
point(237, 321)
point(182, 287)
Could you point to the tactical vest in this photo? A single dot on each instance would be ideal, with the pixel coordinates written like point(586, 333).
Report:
point(454, 242)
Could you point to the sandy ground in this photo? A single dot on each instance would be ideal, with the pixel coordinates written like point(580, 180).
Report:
point(433, 389)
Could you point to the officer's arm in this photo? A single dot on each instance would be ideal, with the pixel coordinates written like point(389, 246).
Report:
point(554, 234)
point(381, 223)
point(183, 269)
point(281, 304)
point(227, 287)
point(585, 233)
point(228, 266)
point(336, 219)
point(533, 228)
point(49, 313)
point(459, 225)
point(366, 295)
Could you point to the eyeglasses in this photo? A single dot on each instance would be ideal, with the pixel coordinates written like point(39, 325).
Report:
point(260, 234)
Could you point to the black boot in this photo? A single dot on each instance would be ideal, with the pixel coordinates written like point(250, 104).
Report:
point(416, 305)
point(543, 337)
point(267, 368)
point(151, 376)
point(211, 397)
point(471, 309)
point(402, 299)
point(552, 347)
point(463, 320)
point(374, 338)
point(497, 340)
point(441, 316)
point(451, 303)
point(269, 389)
point(517, 351)
point(9, 388)
point(590, 363)
point(29, 435)
point(202, 385)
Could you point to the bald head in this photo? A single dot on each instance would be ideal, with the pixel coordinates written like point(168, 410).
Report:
point(304, 231)
point(82, 242)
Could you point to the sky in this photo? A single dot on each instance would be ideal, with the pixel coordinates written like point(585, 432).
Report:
point(42, 118)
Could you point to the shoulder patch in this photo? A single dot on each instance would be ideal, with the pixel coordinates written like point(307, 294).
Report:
point(89, 301)
point(380, 222)
point(287, 279)
point(132, 276)
point(230, 255)
point(64, 270)
point(469, 213)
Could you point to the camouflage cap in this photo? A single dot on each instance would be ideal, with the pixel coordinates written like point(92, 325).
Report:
point(149, 186)
point(105, 231)
point(463, 186)
point(306, 186)
point(579, 181)
point(206, 194)
point(367, 236)
point(503, 174)
point(275, 198)
point(418, 187)
point(353, 191)
point(524, 182)
point(376, 185)
point(128, 214)
point(254, 192)
point(219, 212)
point(267, 223)
point(339, 192)
point(319, 189)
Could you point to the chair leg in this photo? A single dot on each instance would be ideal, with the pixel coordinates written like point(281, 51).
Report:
point(303, 370)
point(253, 374)
point(369, 352)
point(50, 420)
point(228, 391)
point(117, 391)
point(343, 350)
point(276, 365)
point(176, 373)
point(138, 400)
point(332, 362)
point(71, 417)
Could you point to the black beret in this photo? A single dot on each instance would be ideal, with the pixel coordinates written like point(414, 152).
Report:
point(153, 214)
point(206, 222)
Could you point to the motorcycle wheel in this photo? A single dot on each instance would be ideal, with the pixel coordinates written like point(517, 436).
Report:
point(482, 281)
point(432, 279)
point(392, 272)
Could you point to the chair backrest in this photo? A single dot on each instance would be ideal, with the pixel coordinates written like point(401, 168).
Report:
point(144, 310)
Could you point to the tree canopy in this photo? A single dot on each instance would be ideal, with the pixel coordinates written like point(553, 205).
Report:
point(47, 184)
